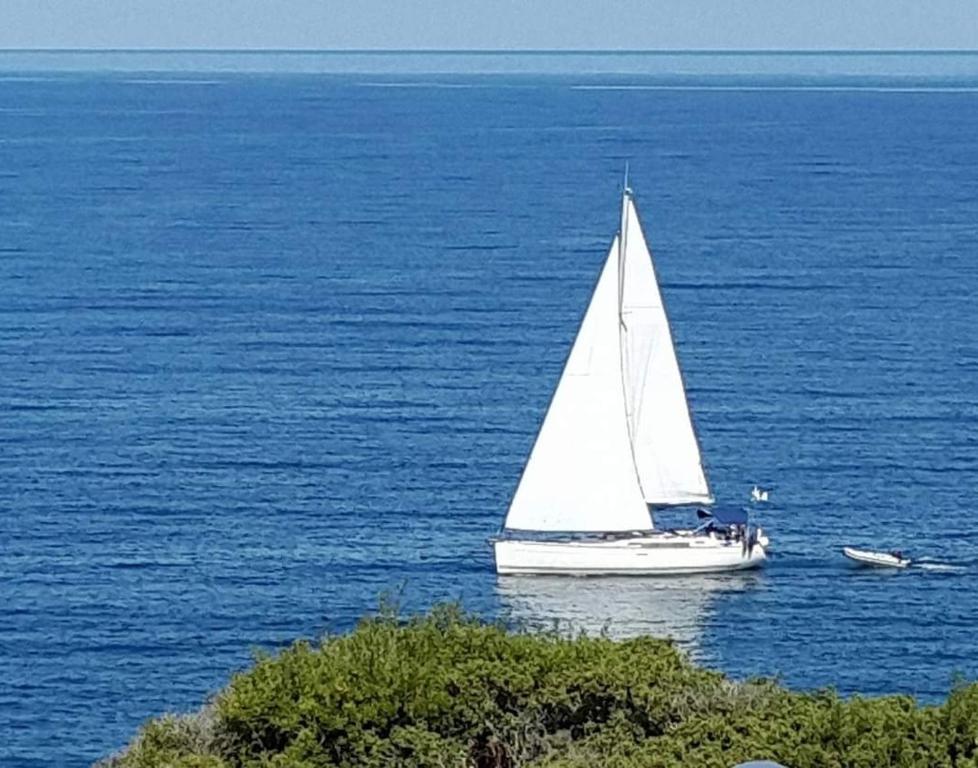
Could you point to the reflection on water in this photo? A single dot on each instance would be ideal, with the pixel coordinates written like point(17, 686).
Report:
point(673, 607)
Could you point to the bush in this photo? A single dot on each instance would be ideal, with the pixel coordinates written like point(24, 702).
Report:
point(450, 690)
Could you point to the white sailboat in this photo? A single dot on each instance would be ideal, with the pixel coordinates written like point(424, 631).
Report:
point(618, 440)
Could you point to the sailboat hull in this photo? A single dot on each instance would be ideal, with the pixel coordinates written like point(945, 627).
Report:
point(658, 554)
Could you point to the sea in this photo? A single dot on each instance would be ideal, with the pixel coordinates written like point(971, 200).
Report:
point(277, 331)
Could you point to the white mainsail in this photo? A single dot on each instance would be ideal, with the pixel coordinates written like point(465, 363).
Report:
point(667, 453)
point(618, 433)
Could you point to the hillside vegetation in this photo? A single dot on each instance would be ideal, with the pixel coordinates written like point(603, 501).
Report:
point(447, 689)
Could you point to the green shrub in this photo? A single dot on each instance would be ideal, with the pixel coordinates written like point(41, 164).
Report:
point(174, 741)
point(450, 690)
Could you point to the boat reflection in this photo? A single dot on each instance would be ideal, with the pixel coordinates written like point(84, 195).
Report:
point(673, 607)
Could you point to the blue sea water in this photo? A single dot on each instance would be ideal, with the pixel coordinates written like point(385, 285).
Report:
point(272, 344)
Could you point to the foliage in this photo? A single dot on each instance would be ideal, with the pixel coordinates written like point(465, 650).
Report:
point(184, 741)
point(449, 690)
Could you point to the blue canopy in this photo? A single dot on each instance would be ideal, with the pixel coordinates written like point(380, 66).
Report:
point(730, 516)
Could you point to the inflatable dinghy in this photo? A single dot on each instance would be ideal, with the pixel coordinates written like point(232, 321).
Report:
point(881, 559)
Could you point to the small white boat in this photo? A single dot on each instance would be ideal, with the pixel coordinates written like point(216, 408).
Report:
point(758, 494)
point(881, 559)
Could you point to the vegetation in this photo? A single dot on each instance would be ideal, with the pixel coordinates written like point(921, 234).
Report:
point(450, 690)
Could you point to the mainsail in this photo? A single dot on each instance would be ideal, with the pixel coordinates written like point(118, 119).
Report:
point(618, 434)
point(667, 453)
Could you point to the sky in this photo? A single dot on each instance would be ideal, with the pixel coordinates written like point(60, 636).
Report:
point(491, 24)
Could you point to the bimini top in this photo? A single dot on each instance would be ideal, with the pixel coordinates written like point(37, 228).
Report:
point(730, 516)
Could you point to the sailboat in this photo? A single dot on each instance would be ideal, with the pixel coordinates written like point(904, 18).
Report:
point(617, 442)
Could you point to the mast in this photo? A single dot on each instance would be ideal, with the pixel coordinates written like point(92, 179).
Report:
point(626, 194)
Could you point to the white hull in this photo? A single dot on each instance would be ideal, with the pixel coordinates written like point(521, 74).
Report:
point(657, 554)
point(880, 559)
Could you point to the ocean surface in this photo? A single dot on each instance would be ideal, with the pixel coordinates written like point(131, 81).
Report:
point(275, 343)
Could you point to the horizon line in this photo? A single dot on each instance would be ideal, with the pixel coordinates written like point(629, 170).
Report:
point(515, 51)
